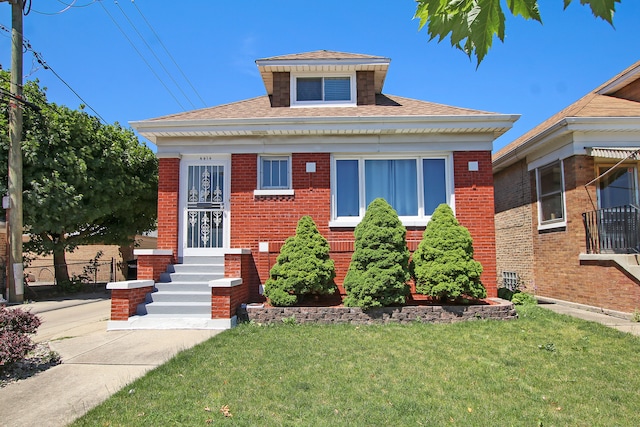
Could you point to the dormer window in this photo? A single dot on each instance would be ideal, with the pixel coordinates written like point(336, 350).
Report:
point(334, 90)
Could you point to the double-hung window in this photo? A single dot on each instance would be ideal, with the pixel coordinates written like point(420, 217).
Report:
point(274, 173)
point(323, 90)
point(550, 188)
point(414, 187)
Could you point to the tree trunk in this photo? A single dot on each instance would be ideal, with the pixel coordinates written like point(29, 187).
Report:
point(60, 264)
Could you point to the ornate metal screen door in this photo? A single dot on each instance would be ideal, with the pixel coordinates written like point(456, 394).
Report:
point(205, 207)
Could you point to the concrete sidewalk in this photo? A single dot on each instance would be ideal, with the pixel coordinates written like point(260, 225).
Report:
point(613, 319)
point(96, 363)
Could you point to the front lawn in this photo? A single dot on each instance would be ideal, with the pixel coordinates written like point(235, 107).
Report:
point(543, 369)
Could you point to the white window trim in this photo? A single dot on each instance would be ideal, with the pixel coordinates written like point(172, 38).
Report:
point(421, 219)
point(277, 192)
point(297, 104)
point(272, 191)
point(557, 223)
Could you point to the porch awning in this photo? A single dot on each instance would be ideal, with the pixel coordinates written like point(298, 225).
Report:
point(615, 153)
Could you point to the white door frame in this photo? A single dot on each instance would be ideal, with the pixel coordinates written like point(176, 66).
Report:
point(202, 160)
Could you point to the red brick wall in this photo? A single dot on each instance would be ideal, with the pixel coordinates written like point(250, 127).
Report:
point(514, 223)
point(168, 190)
point(475, 210)
point(124, 302)
point(225, 301)
point(274, 219)
point(151, 266)
point(243, 266)
point(558, 271)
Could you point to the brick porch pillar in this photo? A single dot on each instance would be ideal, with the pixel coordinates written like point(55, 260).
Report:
point(168, 202)
point(126, 296)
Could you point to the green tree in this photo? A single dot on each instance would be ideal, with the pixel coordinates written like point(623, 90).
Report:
point(444, 264)
point(379, 268)
point(302, 268)
point(472, 24)
point(84, 182)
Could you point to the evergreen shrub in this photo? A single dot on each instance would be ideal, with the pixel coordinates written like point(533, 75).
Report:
point(523, 298)
point(15, 327)
point(379, 268)
point(302, 268)
point(444, 264)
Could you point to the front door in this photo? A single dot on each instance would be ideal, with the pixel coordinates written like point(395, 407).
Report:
point(205, 202)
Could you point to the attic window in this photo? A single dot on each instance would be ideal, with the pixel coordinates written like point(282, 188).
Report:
point(322, 90)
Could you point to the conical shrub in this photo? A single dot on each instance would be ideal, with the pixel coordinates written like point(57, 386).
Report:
point(379, 268)
point(444, 264)
point(302, 268)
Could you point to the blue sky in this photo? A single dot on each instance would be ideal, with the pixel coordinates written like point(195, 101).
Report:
point(539, 70)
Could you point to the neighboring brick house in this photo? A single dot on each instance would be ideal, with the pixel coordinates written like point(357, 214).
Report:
point(323, 141)
point(567, 216)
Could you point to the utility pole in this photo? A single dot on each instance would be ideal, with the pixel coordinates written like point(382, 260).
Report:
point(15, 269)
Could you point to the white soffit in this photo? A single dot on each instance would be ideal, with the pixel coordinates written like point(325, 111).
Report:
point(495, 124)
point(321, 67)
point(619, 153)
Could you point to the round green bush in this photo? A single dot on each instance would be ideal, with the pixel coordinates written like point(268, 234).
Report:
point(444, 264)
point(523, 298)
point(302, 268)
point(379, 268)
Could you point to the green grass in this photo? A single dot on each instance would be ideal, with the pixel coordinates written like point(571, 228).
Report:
point(543, 369)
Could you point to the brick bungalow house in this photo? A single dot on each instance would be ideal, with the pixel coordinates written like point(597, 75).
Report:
point(323, 141)
point(567, 208)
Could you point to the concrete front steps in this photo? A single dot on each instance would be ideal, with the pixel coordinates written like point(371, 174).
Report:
point(182, 299)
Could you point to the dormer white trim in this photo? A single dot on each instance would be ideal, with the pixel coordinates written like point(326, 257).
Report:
point(333, 61)
point(322, 103)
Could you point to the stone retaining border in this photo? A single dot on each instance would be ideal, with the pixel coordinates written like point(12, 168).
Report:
point(499, 309)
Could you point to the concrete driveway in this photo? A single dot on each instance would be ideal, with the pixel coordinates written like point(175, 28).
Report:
point(96, 362)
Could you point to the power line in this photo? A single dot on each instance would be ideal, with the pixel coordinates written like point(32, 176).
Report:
point(141, 56)
point(4, 92)
point(168, 53)
point(71, 5)
point(38, 56)
point(154, 53)
point(46, 66)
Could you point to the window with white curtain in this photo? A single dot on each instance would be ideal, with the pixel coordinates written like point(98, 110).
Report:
point(414, 187)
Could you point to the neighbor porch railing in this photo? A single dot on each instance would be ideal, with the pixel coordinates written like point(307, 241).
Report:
point(613, 230)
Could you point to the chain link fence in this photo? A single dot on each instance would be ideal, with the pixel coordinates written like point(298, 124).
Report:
point(42, 273)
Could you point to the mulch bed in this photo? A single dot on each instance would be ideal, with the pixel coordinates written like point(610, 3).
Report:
point(39, 359)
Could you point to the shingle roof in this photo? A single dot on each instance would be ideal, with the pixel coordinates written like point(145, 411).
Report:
point(320, 54)
point(386, 106)
point(594, 104)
